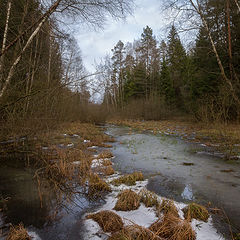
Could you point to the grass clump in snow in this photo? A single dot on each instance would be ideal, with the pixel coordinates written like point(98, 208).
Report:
point(148, 198)
point(96, 185)
point(129, 179)
point(105, 154)
point(18, 233)
point(173, 228)
point(106, 162)
point(167, 207)
point(107, 220)
point(109, 171)
point(127, 200)
point(134, 232)
point(194, 210)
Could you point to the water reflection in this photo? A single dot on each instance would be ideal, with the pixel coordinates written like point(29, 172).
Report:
point(187, 193)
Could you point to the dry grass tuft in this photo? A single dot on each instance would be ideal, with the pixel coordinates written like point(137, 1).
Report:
point(148, 198)
point(105, 154)
point(167, 207)
point(129, 179)
point(173, 228)
point(127, 200)
point(18, 233)
point(196, 211)
point(107, 220)
point(97, 186)
point(134, 232)
point(106, 162)
point(109, 171)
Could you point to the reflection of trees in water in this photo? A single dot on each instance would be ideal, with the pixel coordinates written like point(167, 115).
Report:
point(23, 203)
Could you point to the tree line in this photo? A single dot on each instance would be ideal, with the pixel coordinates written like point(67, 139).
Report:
point(202, 80)
point(42, 76)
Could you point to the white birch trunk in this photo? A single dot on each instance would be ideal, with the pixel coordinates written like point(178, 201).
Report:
point(5, 38)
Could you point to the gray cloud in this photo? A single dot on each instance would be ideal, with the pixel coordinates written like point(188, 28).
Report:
point(96, 44)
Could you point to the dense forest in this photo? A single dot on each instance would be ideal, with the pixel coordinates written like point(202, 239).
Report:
point(153, 80)
point(42, 77)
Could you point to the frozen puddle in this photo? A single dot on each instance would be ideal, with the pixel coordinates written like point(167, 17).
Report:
point(143, 216)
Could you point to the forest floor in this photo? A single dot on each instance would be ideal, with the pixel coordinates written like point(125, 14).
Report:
point(224, 138)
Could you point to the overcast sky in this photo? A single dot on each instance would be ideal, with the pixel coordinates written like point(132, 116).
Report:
point(96, 44)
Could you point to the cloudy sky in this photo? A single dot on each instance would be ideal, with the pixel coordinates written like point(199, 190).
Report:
point(96, 44)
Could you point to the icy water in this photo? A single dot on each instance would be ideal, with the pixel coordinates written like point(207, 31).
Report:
point(176, 169)
point(180, 170)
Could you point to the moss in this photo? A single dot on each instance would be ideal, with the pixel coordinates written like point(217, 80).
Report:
point(107, 220)
point(129, 179)
point(196, 211)
point(148, 198)
point(167, 207)
point(127, 200)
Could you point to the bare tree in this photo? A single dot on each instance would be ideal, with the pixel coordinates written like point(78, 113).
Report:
point(92, 11)
point(4, 40)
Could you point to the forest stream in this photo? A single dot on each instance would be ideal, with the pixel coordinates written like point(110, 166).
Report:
point(175, 169)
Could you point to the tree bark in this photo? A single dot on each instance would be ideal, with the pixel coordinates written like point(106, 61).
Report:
point(4, 40)
point(238, 6)
point(204, 21)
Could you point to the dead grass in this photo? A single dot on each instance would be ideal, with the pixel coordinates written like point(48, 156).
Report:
point(97, 186)
point(134, 232)
point(196, 211)
point(106, 162)
point(129, 179)
point(108, 171)
point(127, 200)
point(173, 228)
point(107, 220)
point(148, 198)
point(167, 207)
point(18, 233)
point(105, 154)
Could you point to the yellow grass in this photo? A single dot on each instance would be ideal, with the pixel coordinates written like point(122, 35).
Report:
point(96, 186)
point(173, 228)
point(196, 211)
point(127, 200)
point(107, 220)
point(148, 198)
point(167, 207)
point(134, 232)
point(129, 179)
point(108, 171)
point(18, 233)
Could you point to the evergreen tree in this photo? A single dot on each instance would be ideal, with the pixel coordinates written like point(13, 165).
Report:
point(176, 61)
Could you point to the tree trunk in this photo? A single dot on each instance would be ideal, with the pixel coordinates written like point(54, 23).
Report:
point(238, 6)
point(4, 40)
point(226, 79)
point(30, 39)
